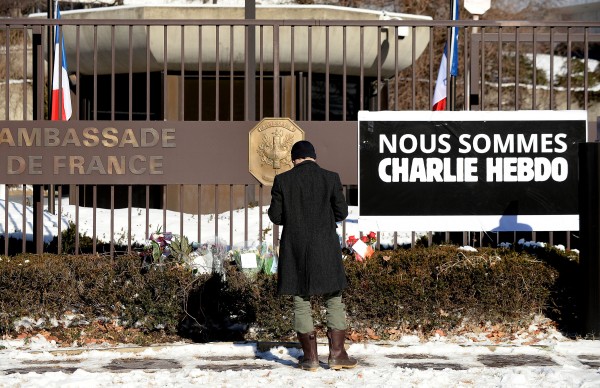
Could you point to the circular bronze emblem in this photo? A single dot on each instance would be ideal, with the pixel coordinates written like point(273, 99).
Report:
point(269, 146)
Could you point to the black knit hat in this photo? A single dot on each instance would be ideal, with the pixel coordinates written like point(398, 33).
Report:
point(303, 149)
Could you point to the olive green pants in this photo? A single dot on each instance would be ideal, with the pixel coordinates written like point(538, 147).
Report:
point(335, 313)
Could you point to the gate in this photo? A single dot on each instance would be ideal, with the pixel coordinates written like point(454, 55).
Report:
point(205, 78)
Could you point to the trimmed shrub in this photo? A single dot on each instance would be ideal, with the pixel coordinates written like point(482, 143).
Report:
point(416, 290)
point(47, 287)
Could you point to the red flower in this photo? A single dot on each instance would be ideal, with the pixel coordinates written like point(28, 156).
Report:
point(351, 240)
point(365, 239)
point(372, 235)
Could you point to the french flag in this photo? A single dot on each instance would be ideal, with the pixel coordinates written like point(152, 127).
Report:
point(61, 93)
point(440, 93)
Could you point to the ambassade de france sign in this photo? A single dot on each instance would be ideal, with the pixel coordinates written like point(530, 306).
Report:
point(124, 152)
point(478, 171)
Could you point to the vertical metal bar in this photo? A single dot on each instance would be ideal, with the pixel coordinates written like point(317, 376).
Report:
point(182, 76)
point(362, 67)
point(25, 102)
point(482, 69)
point(181, 210)
point(38, 219)
point(199, 191)
point(344, 76)
point(112, 72)
point(569, 68)
point(94, 218)
point(24, 219)
point(6, 211)
point(301, 96)
point(586, 55)
point(59, 220)
point(309, 86)
point(231, 80)
point(148, 114)
point(378, 81)
point(500, 68)
point(551, 80)
point(261, 77)
point(231, 215)
point(7, 70)
point(260, 213)
point(216, 211)
point(95, 75)
point(112, 221)
point(129, 214)
point(147, 226)
point(200, 78)
point(517, 68)
point(250, 53)
point(38, 73)
point(467, 36)
point(165, 72)
point(395, 241)
point(130, 94)
point(344, 226)
point(413, 51)
point(77, 68)
point(245, 213)
point(164, 208)
point(76, 219)
point(217, 68)
point(449, 77)
point(534, 61)
point(276, 96)
point(326, 73)
point(431, 70)
point(396, 70)
point(293, 75)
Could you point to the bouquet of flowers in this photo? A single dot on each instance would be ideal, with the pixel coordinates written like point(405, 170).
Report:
point(253, 258)
point(208, 257)
point(363, 247)
point(158, 249)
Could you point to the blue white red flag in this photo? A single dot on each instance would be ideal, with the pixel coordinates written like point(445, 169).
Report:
point(61, 93)
point(440, 93)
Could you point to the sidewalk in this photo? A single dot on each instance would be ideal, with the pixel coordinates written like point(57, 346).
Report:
point(410, 362)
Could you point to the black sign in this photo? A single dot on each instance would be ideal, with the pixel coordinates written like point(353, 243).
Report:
point(470, 170)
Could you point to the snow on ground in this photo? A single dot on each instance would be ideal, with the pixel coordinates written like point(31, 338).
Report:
point(84, 217)
point(410, 362)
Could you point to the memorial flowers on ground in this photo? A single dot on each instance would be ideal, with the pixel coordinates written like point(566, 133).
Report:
point(256, 257)
point(166, 247)
point(362, 247)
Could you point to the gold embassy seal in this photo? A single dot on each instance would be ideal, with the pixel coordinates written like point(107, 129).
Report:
point(269, 146)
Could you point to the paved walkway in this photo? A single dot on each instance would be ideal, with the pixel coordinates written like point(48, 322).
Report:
point(435, 363)
point(265, 358)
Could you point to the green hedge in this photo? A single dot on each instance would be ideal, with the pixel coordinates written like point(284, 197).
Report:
point(416, 290)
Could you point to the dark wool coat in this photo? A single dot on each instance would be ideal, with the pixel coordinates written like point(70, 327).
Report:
point(308, 201)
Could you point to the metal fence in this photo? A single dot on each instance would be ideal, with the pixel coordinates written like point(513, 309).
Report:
point(233, 73)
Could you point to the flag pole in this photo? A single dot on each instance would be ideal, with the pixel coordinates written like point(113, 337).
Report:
point(451, 41)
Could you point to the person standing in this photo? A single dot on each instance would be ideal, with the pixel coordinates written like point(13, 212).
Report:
point(308, 201)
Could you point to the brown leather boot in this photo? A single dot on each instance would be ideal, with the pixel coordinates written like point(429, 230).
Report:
point(310, 360)
point(338, 358)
